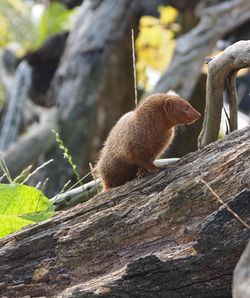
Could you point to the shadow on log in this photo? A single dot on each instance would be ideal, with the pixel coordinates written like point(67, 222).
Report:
point(161, 236)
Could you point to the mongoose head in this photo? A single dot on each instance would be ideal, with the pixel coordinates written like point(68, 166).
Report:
point(179, 111)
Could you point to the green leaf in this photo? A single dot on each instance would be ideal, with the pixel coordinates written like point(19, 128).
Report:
point(21, 205)
point(38, 216)
point(17, 199)
point(12, 223)
point(54, 19)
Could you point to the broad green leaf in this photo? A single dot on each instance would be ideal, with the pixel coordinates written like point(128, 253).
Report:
point(21, 205)
point(12, 223)
point(55, 19)
point(38, 216)
point(17, 199)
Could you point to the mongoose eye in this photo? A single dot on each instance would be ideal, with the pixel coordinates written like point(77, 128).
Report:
point(186, 108)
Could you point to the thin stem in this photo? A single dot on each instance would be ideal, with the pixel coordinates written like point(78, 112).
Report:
point(134, 65)
point(37, 169)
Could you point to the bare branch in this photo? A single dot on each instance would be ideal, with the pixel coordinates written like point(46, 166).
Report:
point(233, 99)
point(230, 61)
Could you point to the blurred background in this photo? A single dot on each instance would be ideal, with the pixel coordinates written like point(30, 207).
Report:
point(76, 57)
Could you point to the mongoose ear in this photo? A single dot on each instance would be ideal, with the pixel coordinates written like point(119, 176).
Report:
point(168, 105)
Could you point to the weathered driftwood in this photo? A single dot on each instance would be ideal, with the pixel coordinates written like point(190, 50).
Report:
point(161, 236)
point(194, 46)
point(221, 68)
point(76, 195)
point(38, 139)
point(233, 99)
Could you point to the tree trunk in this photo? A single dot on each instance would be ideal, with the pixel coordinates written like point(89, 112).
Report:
point(161, 236)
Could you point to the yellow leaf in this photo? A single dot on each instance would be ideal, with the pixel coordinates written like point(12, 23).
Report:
point(168, 14)
point(148, 21)
point(155, 45)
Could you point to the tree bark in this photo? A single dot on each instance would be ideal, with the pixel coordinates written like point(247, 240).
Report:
point(161, 236)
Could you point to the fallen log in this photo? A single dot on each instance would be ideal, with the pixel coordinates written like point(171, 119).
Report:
point(165, 235)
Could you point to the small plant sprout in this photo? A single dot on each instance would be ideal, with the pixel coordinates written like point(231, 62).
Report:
point(134, 65)
point(67, 155)
point(5, 168)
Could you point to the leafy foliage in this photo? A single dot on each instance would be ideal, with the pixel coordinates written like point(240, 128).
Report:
point(54, 19)
point(155, 43)
point(19, 25)
point(15, 22)
point(21, 205)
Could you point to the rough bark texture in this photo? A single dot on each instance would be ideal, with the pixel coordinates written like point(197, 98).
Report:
point(161, 236)
point(221, 67)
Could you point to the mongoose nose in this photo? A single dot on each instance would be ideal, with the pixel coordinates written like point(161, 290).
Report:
point(198, 115)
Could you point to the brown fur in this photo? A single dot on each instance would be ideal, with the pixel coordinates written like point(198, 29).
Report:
point(140, 136)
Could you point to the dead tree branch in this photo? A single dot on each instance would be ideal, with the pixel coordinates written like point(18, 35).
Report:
point(233, 99)
point(220, 68)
